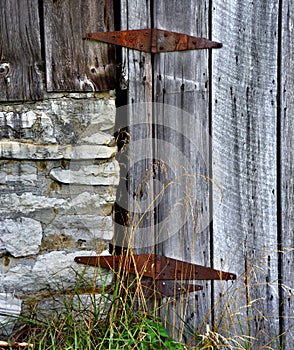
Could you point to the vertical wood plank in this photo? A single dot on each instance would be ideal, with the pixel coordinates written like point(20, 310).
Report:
point(20, 51)
point(287, 171)
point(136, 168)
point(181, 79)
point(244, 144)
point(74, 64)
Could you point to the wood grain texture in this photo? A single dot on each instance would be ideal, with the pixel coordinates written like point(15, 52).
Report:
point(20, 51)
point(74, 64)
point(244, 165)
point(137, 166)
point(287, 171)
point(181, 79)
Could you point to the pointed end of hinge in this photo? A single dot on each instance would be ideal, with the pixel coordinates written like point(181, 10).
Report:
point(194, 288)
point(214, 45)
point(233, 276)
point(227, 276)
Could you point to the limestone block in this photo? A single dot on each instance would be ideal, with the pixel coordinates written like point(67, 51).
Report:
point(83, 203)
point(17, 121)
point(94, 175)
point(10, 308)
point(28, 203)
point(69, 232)
point(46, 125)
point(87, 203)
point(98, 138)
point(55, 271)
point(20, 173)
point(27, 125)
point(22, 150)
point(58, 268)
point(98, 112)
point(20, 237)
point(80, 152)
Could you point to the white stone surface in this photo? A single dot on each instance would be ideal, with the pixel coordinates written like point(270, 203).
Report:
point(24, 120)
point(90, 229)
point(102, 174)
point(49, 210)
point(98, 138)
point(47, 128)
point(24, 174)
point(20, 237)
point(89, 203)
point(28, 203)
point(24, 150)
point(54, 271)
point(10, 308)
point(28, 119)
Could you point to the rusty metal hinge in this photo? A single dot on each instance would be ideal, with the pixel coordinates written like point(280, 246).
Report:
point(167, 275)
point(154, 40)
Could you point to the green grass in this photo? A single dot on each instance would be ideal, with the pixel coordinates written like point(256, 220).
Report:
point(73, 321)
point(81, 326)
point(121, 318)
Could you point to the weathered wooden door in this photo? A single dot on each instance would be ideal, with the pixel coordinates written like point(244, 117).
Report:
point(169, 170)
point(222, 154)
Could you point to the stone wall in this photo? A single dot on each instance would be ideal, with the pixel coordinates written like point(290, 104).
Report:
point(57, 186)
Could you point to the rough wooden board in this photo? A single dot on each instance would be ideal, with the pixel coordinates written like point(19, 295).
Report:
point(181, 79)
point(74, 64)
point(287, 172)
point(20, 51)
point(244, 144)
point(137, 167)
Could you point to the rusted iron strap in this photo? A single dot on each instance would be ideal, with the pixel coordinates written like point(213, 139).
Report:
point(153, 40)
point(156, 266)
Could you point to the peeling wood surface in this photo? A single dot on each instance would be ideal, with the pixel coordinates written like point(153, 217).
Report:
point(20, 51)
point(287, 171)
point(244, 136)
point(74, 64)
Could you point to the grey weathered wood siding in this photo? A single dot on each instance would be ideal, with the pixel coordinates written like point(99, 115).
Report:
point(137, 70)
point(73, 64)
point(286, 164)
point(42, 42)
point(244, 124)
point(20, 51)
point(243, 96)
point(182, 143)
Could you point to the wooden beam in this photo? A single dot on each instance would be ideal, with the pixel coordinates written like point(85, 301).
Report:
point(181, 85)
point(245, 156)
point(20, 51)
point(74, 64)
point(286, 163)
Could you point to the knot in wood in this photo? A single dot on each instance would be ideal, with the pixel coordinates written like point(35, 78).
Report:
point(5, 69)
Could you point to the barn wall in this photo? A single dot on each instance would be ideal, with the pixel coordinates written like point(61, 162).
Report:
point(247, 86)
point(253, 163)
